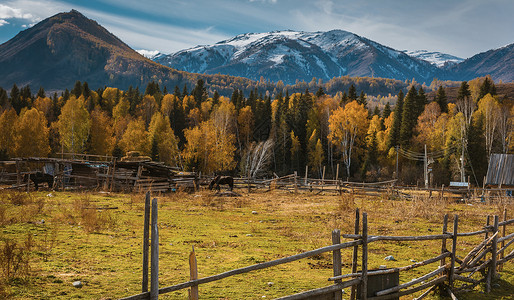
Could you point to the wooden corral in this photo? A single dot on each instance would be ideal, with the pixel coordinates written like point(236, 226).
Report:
point(484, 261)
point(98, 172)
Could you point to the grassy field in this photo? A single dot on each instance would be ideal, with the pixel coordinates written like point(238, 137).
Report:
point(50, 240)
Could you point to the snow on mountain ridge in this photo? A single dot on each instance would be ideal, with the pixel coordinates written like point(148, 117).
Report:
point(290, 55)
point(436, 58)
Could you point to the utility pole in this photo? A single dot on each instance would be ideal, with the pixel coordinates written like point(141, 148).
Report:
point(426, 167)
point(462, 176)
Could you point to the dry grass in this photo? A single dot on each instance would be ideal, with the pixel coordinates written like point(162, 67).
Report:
point(102, 248)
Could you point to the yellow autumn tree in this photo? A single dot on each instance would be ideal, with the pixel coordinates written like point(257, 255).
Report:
point(31, 134)
point(347, 125)
point(210, 146)
point(44, 105)
point(425, 127)
point(490, 109)
point(8, 132)
point(167, 143)
point(245, 122)
point(74, 125)
point(121, 116)
point(102, 131)
point(135, 138)
point(315, 152)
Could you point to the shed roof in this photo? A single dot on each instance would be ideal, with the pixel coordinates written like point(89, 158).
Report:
point(500, 170)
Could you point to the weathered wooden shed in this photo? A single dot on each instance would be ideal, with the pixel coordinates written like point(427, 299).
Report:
point(500, 172)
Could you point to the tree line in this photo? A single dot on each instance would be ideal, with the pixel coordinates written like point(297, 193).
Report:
point(260, 134)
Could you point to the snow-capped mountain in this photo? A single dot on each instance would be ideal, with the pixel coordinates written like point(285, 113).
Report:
point(436, 58)
point(150, 54)
point(294, 55)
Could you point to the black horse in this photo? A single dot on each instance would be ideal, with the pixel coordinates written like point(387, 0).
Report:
point(39, 177)
point(222, 180)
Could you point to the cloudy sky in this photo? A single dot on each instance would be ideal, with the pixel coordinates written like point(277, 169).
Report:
point(459, 27)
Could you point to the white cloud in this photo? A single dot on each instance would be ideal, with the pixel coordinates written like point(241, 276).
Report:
point(3, 22)
point(7, 12)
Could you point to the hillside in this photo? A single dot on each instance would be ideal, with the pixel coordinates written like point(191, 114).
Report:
point(67, 47)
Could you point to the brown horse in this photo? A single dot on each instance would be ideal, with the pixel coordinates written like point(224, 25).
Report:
point(228, 180)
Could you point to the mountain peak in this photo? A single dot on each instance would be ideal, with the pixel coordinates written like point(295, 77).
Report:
point(290, 55)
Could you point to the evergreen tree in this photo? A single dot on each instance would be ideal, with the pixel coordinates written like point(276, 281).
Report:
point(352, 93)
point(421, 101)
point(15, 99)
point(165, 91)
point(184, 91)
point(4, 100)
point(487, 87)
point(387, 111)
point(320, 92)
point(442, 100)
point(215, 98)
point(409, 117)
point(65, 95)
point(476, 167)
point(394, 136)
point(376, 111)
point(41, 92)
point(155, 150)
point(77, 89)
point(199, 92)
point(85, 90)
point(362, 99)
point(176, 92)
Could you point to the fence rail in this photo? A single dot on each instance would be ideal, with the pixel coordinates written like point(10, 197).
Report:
point(485, 255)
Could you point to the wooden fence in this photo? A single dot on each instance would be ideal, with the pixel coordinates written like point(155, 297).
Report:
point(294, 183)
point(488, 255)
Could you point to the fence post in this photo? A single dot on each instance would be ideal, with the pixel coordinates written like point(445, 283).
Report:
point(454, 250)
point(364, 275)
point(248, 181)
point(295, 182)
point(487, 223)
point(154, 284)
point(355, 253)
point(306, 173)
point(146, 237)
point(323, 179)
point(491, 274)
point(193, 275)
point(336, 260)
point(18, 173)
point(28, 182)
point(500, 267)
point(443, 243)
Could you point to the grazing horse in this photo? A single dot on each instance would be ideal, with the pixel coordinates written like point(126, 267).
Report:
point(39, 177)
point(222, 180)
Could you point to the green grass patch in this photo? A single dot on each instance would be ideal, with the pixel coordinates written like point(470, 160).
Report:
point(96, 238)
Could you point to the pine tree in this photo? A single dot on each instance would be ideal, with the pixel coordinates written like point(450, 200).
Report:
point(442, 100)
point(15, 99)
point(77, 89)
point(487, 87)
point(477, 164)
point(176, 92)
point(199, 92)
point(352, 93)
point(41, 92)
point(320, 92)
point(409, 117)
point(85, 90)
point(362, 99)
point(387, 110)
